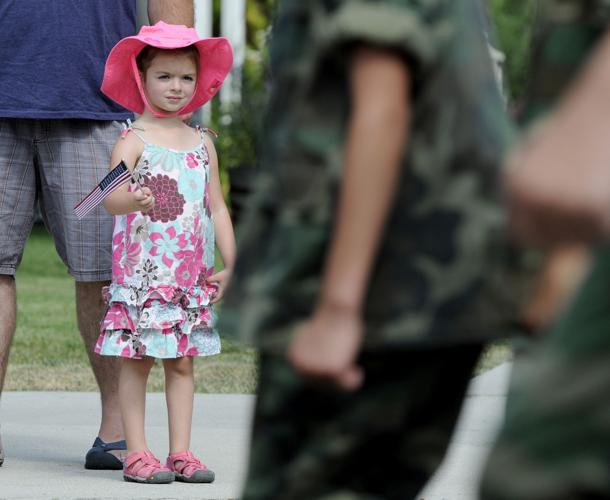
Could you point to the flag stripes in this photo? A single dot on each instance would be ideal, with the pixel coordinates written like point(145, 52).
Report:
point(118, 176)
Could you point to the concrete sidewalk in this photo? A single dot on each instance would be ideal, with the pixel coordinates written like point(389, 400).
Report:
point(459, 475)
point(46, 434)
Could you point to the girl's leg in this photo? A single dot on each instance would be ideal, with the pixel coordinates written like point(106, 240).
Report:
point(179, 393)
point(132, 394)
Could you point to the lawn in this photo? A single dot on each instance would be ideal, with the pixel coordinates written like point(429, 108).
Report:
point(48, 353)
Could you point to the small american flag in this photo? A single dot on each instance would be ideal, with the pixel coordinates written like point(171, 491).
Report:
point(118, 176)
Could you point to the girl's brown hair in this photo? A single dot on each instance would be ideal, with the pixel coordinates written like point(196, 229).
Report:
point(148, 53)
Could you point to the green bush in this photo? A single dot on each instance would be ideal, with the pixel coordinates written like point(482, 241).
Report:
point(514, 20)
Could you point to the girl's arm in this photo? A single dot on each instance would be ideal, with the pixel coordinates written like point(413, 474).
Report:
point(121, 201)
point(223, 227)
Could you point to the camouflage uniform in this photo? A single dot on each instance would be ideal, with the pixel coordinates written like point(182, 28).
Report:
point(430, 303)
point(555, 442)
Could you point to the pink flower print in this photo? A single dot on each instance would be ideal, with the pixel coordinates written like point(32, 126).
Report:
point(124, 256)
point(183, 343)
point(168, 244)
point(117, 252)
point(191, 160)
point(204, 274)
point(187, 272)
point(196, 240)
point(205, 317)
point(128, 222)
point(130, 258)
point(192, 352)
point(180, 298)
point(169, 203)
point(117, 319)
point(124, 260)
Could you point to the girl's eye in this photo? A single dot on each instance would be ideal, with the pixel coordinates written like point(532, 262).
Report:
point(189, 78)
point(163, 77)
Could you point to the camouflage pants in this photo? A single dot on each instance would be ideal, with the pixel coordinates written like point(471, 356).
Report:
point(555, 444)
point(381, 442)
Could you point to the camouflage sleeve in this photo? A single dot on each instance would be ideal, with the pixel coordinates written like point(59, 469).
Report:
point(407, 26)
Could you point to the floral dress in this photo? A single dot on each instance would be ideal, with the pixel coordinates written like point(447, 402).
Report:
point(159, 297)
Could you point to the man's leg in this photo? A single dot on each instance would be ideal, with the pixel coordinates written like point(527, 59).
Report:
point(384, 440)
point(8, 308)
point(74, 156)
point(17, 199)
point(89, 311)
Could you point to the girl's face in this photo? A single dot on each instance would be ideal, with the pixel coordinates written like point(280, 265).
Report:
point(169, 82)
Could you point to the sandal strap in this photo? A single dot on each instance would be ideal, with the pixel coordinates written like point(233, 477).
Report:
point(115, 445)
point(189, 465)
point(144, 462)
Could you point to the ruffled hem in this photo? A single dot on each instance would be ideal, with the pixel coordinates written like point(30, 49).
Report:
point(160, 308)
point(166, 344)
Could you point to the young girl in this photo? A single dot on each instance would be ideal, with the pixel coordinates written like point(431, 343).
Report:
point(160, 301)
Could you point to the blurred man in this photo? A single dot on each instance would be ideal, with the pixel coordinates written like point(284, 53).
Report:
point(366, 260)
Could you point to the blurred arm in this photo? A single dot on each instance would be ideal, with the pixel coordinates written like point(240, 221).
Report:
point(375, 145)
point(559, 178)
point(327, 345)
point(559, 278)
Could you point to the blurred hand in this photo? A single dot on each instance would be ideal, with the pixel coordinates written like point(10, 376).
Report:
point(558, 180)
point(326, 348)
point(221, 279)
point(144, 199)
point(559, 278)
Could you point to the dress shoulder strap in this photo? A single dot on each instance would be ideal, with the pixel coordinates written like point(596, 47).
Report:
point(128, 127)
point(204, 130)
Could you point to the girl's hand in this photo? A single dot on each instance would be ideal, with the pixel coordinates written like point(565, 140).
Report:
point(144, 200)
point(221, 279)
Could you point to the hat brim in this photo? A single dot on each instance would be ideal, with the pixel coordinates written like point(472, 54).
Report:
point(119, 83)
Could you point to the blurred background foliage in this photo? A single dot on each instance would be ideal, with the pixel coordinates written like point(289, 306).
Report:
point(514, 21)
point(240, 125)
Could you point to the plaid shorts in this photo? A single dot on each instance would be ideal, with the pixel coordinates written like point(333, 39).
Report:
point(56, 163)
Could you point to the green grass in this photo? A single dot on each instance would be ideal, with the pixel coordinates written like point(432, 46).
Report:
point(48, 353)
point(494, 355)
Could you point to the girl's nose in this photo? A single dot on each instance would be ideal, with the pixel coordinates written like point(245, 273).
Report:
point(176, 84)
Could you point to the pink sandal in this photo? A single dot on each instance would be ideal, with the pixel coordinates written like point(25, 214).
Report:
point(144, 467)
point(191, 470)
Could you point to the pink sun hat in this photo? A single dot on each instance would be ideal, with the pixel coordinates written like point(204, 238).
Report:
point(122, 82)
